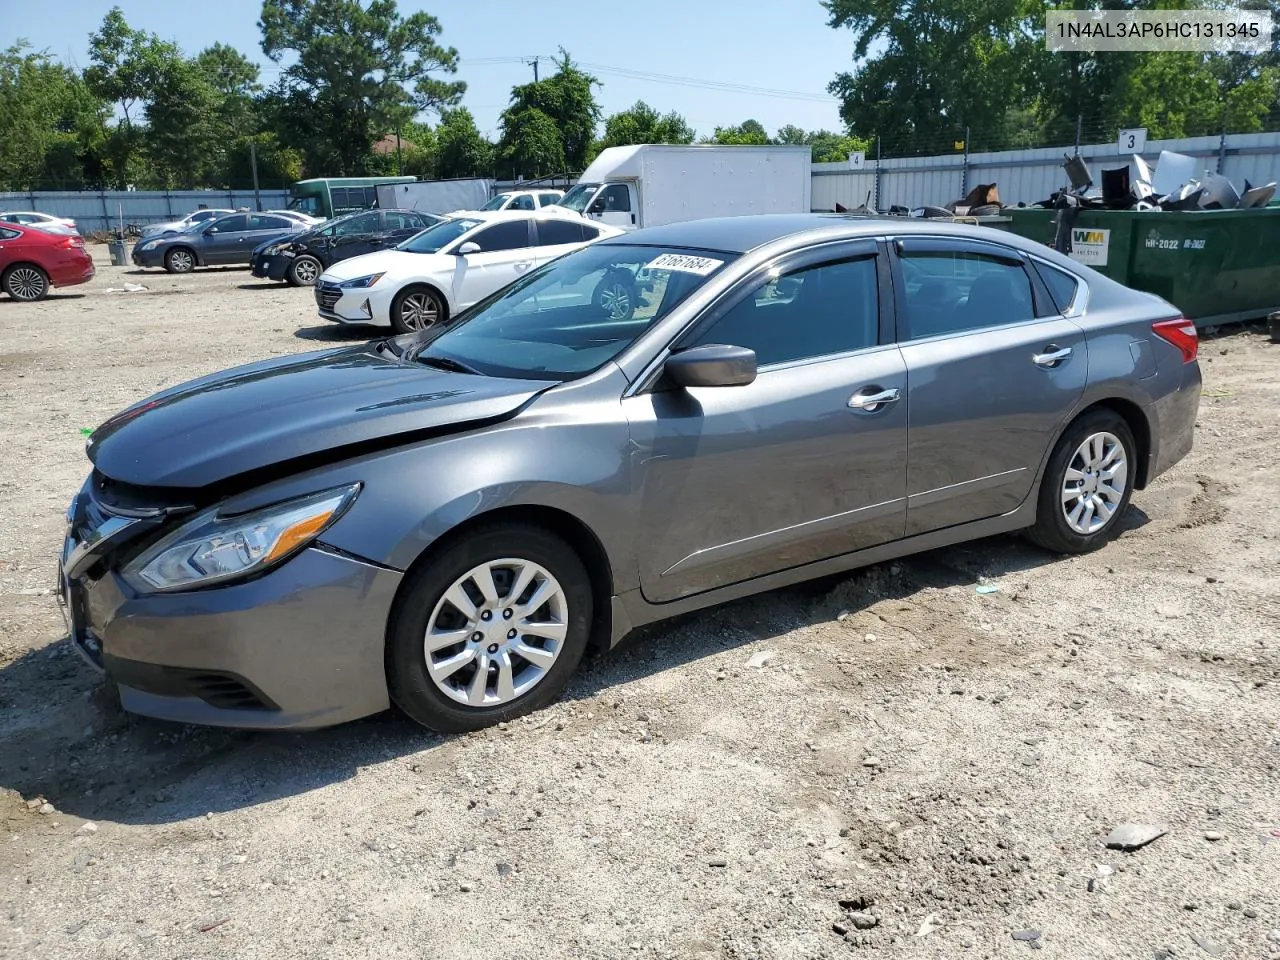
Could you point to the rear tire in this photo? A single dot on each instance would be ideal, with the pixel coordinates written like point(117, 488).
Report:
point(416, 308)
point(616, 297)
point(26, 282)
point(304, 271)
point(1086, 485)
point(180, 260)
point(528, 651)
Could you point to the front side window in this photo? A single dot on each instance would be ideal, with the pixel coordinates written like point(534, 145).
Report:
point(553, 323)
point(234, 224)
point(308, 205)
point(522, 202)
point(507, 235)
point(957, 290)
point(617, 198)
point(815, 311)
point(354, 226)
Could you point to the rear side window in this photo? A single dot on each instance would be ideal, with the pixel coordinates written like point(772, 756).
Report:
point(268, 222)
point(554, 232)
point(1062, 285)
point(816, 311)
point(509, 235)
point(7, 234)
point(546, 199)
point(955, 291)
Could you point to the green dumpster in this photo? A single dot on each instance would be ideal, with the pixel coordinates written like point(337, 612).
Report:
point(1216, 266)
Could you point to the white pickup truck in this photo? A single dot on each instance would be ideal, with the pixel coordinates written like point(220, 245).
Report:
point(652, 184)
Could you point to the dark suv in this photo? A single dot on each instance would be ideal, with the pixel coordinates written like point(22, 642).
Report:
point(302, 258)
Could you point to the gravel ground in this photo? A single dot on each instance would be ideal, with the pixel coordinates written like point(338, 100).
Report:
point(889, 760)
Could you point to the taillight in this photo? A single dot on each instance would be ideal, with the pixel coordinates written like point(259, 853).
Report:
point(76, 241)
point(1180, 332)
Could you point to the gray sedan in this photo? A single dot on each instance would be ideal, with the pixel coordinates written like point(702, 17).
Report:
point(222, 240)
point(446, 520)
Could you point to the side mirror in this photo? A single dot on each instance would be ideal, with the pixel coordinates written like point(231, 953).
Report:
point(712, 365)
point(469, 247)
point(597, 206)
point(213, 229)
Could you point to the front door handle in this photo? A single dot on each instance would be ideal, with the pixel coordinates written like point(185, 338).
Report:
point(524, 264)
point(871, 399)
point(1052, 356)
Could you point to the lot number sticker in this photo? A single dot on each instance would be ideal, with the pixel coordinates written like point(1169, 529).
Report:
point(1090, 246)
point(684, 263)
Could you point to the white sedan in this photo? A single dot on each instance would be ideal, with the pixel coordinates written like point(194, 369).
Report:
point(42, 221)
point(448, 267)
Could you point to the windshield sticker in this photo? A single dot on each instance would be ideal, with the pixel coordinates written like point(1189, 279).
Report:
point(684, 263)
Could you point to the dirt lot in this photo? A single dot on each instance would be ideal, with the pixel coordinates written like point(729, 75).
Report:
point(891, 747)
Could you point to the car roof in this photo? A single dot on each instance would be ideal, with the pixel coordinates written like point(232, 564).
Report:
point(542, 213)
point(741, 234)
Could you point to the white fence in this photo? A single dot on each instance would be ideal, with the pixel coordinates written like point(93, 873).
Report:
point(104, 209)
point(1027, 175)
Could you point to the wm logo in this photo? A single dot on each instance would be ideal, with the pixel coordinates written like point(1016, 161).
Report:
point(1086, 236)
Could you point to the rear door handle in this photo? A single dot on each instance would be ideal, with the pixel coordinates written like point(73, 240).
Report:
point(871, 399)
point(1052, 356)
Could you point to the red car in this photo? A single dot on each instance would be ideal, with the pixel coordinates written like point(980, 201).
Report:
point(33, 260)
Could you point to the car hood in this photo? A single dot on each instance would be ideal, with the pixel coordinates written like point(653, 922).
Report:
point(398, 262)
point(266, 414)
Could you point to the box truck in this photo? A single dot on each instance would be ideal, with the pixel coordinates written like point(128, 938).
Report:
point(652, 184)
point(436, 196)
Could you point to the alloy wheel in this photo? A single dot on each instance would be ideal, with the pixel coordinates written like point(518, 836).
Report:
point(305, 271)
point(419, 311)
point(181, 261)
point(496, 632)
point(26, 283)
point(1094, 485)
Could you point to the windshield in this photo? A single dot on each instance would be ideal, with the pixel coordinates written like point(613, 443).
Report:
point(576, 199)
point(434, 239)
point(575, 313)
point(497, 202)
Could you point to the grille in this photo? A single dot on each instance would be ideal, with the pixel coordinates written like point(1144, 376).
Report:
point(327, 296)
point(225, 692)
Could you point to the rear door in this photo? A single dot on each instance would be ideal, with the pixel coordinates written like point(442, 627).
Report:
point(993, 370)
point(506, 254)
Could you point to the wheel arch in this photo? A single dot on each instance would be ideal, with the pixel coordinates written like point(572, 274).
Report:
point(1136, 419)
point(560, 523)
point(195, 254)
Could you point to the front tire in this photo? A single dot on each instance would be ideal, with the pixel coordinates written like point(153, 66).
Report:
point(489, 630)
point(303, 272)
point(1086, 485)
point(26, 282)
point(180, 260)
point(416, 308)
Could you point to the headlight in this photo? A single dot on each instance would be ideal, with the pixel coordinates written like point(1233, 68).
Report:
point(359, 283)
point(211, 548)
point(150, 245)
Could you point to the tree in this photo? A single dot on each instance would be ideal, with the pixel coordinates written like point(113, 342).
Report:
point(185, 140)
point(50, 123)
point(126, 65)
point(567, 100)
point(460, 149)
point(531, 144)
point(925, 70)
point(354, 71)
point(640, 123)
point(750, 132)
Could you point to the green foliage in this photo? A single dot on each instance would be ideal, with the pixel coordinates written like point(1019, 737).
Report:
point(50, 123)
point(640, 123)
point(749, 132)
point(566, 99)
point(460, 149)
point(354, 72)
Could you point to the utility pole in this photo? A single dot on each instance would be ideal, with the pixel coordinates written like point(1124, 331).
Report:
point(253, 162)
point(399, 167)
point(534, 63)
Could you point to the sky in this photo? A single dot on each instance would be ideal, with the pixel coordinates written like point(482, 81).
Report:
point(775, 56)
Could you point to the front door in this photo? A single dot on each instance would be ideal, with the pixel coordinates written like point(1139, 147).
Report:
point(221, 241)
point(994, 371)
point(616, 205)
point(807, 462)
point(505, 255)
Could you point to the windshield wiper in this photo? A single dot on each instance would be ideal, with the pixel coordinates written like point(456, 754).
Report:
point(447, 363)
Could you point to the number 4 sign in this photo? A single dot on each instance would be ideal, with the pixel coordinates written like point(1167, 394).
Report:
point(1133, 141)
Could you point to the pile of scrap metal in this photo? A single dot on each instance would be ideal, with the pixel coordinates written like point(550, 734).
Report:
point(982, 201)
point(1172, 186)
